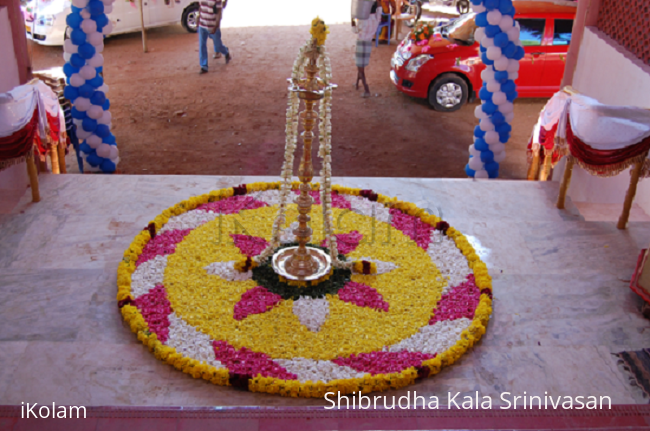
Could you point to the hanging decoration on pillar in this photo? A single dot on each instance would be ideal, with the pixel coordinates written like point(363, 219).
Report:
point(501, 50)
point(88, 24)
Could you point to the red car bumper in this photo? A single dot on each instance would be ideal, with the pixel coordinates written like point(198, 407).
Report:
point(408, 82)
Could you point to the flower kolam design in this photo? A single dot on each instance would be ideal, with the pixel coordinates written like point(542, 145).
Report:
point(412, 299)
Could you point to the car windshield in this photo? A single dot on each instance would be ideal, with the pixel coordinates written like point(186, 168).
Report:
point(460, 29)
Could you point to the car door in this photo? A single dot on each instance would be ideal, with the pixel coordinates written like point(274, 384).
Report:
point(126, 16)
point(163, 12)
point(557, 45)
point(532, 32)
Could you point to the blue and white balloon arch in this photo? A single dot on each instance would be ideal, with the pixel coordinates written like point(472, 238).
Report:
point(88, 24)
point(501, 50)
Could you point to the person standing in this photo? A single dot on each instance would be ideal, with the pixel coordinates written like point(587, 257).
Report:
point(210, 12)
point(365, 29)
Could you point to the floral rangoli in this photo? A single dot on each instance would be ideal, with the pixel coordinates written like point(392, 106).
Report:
point(415, 299)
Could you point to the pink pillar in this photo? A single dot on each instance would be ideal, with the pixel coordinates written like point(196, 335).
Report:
point(586, 15)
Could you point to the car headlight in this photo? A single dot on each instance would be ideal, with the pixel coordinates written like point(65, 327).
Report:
point(415, 64)
point(47, 20)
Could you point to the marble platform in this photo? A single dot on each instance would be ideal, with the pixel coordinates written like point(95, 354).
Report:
point(562, 302)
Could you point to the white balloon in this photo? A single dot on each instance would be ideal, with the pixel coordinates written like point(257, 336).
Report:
point(99, 48)
point(95, 39)
point(497, 148)
point(87, 72)
point(499, 157)
point(77, 122)
point(85, 14)
point(491, 137)
point(66, 56)
point(493, 53)
point(487, 74)
point(487, 42)
point(82, 134)
point(115, 153)
point(88, 26)
point(76, 80)
point(513, 65)
point(96, 61)
point(108, 9)
point(510, 116)
point(486, 125)
point(476, 163)
point(517, 26)
point(116, 161)
point(103, 88)
point(478, 8)
point(80, 3)
point(106, 118)
point(493, 86)
point(501, 63)
point(68, 30)
point(499, 98)
point(104, 150)
point(108, 28)
point(494, 17)
point(95, 112)
point(481, 175)
point(473, 151)
point(94, 141)
point(513, 34)
point(478, 113)
point(518, 42)
point(506, 23)
point(513, 75)
point(506, 108)
point(106, 3)
point(82, 104)
point(479, 34)
point(69, 47)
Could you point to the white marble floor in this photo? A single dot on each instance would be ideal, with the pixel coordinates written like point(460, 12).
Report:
point(562, 303)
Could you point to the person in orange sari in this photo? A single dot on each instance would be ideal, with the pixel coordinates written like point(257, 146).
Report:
point(387, 6)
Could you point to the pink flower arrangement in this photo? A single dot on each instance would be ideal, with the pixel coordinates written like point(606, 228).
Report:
point(162, 245)
point(155, 309)
point(245, 361)
point(347, 242)
point(384, 362)
point(249, 245)
point(338, 201)
point(460, 302)
point(363, 296)
point(256, 301)
point(232, 205)
point(416, 229)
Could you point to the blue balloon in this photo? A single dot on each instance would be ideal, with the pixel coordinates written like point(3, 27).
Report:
point(520, 53)
point(503, 128)
point(493, 174)
point(491, 166)
point(503, 137)
point(100, 69)
point(501, 76)
point(86, 50)
point(101, 21)
point(77, 114)
point(77, 36)
point(70, 93)
point(108, 166)
point(486, 60)
point(487, 156)
point(89, 125)
point(511, 12)
point(77, 61)
point(492, 30)
point(511, 96)
point(478, 132)
point(489, 108)
point(107, 105)
point(110, 140)
point(505, 6)
point(476, 2)
point(69, 69)
point(481, 145)
point(95, 7)
point(76, 9)
point(469, 171)
point(482, 48)
point(508, 86)
point(73, 20)
point(481, 19)
point(85, 148)
point(498, 118)
point(510, 50)
point(491, 4)
point(94, 160)
point(484, 94)
point(86, 91)
point(97, 81)
point(102, 131)
point(501, 40)
point(98, 98)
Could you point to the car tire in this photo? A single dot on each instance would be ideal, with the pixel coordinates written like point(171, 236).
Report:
point(462, 6)
point(190, 18)
point(448, 93)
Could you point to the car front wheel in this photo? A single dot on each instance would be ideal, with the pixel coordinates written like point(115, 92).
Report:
point(190, 18)
point(448, 93)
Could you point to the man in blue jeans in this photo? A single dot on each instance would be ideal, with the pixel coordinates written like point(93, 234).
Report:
point(210, 12)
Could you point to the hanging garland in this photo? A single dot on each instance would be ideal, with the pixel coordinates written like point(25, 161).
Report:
point(88, 25)
point(501, 50)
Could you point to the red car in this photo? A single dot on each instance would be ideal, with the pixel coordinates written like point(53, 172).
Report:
point(447, 70)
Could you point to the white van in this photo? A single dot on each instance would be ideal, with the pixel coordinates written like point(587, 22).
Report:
point(45, 19)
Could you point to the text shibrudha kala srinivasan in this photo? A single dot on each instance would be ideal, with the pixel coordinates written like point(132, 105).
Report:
point(43, 411)
point(507, 400)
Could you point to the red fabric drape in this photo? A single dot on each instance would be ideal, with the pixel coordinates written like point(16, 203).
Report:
point(55, 127)
point(20, 142)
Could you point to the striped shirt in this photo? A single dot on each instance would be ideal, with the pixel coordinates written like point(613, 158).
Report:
point(210, 14)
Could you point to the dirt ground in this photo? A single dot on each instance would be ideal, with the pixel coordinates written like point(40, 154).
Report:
point(168, 119)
